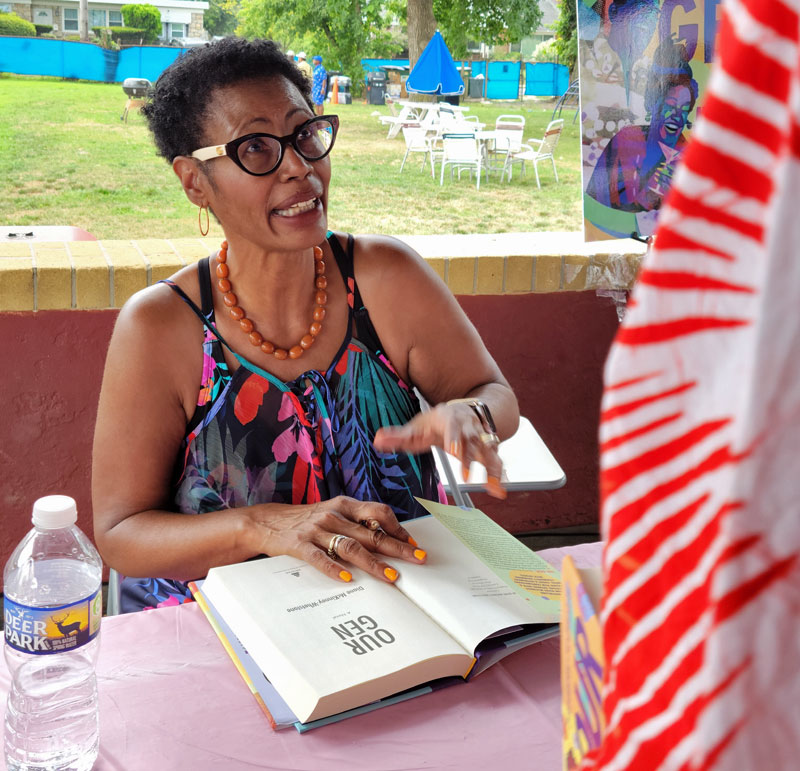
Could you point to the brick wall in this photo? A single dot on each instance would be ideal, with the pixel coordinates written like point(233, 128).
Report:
point(76, 275)
point(23, 11)
point(196, 26)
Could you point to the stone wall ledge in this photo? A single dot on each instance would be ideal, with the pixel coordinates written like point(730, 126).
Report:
point(84, 275)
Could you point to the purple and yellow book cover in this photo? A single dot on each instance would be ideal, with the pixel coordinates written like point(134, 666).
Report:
point(582, 663)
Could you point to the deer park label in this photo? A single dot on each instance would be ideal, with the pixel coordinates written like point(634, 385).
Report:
point(54, 629)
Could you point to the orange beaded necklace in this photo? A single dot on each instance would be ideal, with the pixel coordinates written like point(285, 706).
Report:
point(247, 326)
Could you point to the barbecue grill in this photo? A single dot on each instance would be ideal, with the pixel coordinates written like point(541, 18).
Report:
point(137, 90)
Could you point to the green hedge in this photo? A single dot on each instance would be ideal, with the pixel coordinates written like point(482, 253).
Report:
point(126, 35)
point(11, 24)
point(145, 17)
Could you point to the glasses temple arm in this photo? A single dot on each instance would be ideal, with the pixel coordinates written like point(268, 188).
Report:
point(207, 153)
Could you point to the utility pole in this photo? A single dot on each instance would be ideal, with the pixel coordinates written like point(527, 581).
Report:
point(83, 20)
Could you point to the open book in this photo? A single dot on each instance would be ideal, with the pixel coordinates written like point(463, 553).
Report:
point(327, 647)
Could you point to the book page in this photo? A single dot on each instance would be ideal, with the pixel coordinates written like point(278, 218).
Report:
point(315, 638)
point(533, 579)
point(458, 590)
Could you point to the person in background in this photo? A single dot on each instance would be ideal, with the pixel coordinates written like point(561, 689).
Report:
point(290, 54)
point(261, 401)
point(319, 84)
point(304, 66)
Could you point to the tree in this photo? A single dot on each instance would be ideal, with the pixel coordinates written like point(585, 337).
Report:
point(487, 21)
point(341, 31)
point(421, 26)
point(221, 17)
point(566, 29)
point(144, 17)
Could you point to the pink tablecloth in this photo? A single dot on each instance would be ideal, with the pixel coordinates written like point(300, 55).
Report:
point(170, 700)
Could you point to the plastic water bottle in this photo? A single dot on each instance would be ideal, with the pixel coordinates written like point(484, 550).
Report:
point(52, 609)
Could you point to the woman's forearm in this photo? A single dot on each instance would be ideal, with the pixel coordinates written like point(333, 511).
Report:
point(502, 404)
point(180, 546)
point(185, 546)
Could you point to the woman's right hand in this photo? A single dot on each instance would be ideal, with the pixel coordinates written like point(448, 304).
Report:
point(370, 532)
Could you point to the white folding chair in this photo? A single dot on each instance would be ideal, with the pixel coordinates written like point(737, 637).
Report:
point(112, 600)
point(417, 141)
point(543, 150)
point(461, 152)
point(508, 131)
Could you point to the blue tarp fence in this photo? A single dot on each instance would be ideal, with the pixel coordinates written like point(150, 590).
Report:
point(503, 76)
point(83, 61)
point(503, 79)
point(546, 79)
point(374, 65)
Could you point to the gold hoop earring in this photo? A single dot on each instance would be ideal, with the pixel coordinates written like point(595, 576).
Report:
point(200, 221)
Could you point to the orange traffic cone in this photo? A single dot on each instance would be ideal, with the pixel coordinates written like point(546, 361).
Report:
point(335, 91)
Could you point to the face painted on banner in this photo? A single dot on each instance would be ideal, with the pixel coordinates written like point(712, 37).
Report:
point(672, 114)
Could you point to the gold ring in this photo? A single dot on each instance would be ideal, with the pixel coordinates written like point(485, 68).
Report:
point(335, 541)
point(489, 437)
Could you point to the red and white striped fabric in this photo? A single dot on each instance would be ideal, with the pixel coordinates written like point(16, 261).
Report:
point(700, 436)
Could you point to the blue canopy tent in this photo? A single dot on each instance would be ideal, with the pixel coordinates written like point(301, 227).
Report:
point(435, 72)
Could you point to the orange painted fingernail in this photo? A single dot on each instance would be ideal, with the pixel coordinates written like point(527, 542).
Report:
point(465, 471)
point(390, 573)
point(345, 576)
point(412, 541)
point(420, 554)
point(495, 489)
point(453, 448)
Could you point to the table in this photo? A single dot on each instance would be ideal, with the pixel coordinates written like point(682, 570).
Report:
point(170, 700)
point(431, 105)
point(527, 464)
point(411, 114)
point(489, 140)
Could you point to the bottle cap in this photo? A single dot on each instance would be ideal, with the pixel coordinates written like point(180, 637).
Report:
point(54, 511)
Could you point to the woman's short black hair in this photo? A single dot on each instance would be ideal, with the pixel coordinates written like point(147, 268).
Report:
point(182, 93)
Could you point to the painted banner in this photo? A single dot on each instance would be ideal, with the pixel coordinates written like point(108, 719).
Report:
point(643, 68)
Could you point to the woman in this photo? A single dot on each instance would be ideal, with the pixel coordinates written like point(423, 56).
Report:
point(302, 344)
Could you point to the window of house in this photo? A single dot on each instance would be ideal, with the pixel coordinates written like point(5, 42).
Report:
point(115, 18)
point(171, 30)
point(97, 18)
point(70, 20)
point(5, 8)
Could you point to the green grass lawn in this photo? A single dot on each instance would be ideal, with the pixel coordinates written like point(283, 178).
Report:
point(68, 160)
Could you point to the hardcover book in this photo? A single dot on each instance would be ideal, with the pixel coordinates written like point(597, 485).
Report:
point(326, 648)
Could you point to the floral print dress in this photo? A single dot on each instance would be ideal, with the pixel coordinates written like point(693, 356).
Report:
point(256, 439)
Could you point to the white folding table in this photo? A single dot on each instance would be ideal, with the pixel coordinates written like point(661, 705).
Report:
point(527, 465)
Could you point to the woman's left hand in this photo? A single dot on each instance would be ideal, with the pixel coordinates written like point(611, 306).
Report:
point(456, 428)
